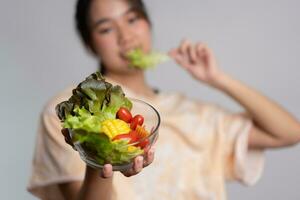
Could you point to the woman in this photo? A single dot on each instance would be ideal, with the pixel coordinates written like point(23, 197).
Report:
point(200, 146)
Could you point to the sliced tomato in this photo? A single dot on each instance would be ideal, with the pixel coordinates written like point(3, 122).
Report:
point(132, 136)
point(136, 120)
point(124, 114)
point(122, 137)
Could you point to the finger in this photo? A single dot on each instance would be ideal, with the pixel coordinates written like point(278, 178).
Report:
point(180, 54)
point(192, 54)
point(183, 49)
point(182, 61)
point(202, 54)
point(149, 157)
point(107, 171)
point(203, 51)
point(205, 54)
point(200, 48)
point(136, 168)
point(138, 164)
point(173, 52)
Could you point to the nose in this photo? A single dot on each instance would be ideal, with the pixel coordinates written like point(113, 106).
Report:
point(125, 37)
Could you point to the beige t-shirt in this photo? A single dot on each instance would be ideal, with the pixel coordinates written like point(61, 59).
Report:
point(200, 146)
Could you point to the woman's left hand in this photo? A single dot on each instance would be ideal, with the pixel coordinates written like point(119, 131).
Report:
point(198, 60)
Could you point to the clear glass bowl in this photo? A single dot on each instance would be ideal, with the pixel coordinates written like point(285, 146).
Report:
point(151, 123)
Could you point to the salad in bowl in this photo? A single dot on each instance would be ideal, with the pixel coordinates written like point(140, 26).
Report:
point(106, 126)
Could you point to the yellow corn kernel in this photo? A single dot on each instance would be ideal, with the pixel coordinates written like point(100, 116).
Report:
point(106, 131)
point(131, 149)
point(114, 127)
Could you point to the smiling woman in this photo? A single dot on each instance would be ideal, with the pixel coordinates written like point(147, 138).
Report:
point(100, 29)
point(201, 145)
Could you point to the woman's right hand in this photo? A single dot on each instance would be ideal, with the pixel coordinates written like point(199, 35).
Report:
point(138, 164)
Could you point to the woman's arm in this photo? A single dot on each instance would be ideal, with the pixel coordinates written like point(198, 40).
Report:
point(96, 187)
point(274, 126)
point(70, 190)
point(97, 184)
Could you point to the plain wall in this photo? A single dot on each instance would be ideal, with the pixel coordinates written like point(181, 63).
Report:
point(255, 41)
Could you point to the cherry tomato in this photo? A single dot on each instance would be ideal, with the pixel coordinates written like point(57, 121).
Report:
point(124, 114)
point(136, 120)
point(132, 136)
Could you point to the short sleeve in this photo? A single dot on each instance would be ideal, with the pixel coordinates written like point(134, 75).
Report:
point(54, 161)
point(240, 163)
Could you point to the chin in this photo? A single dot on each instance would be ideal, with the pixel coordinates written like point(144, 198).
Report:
point(125, 70)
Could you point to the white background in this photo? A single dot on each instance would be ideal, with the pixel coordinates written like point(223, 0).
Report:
point(256, 41)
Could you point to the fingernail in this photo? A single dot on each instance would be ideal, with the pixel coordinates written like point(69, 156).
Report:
point(139, 167)
point(139, 164)
point(105, 169)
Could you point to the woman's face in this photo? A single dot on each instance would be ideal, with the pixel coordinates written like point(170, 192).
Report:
point(115, 30)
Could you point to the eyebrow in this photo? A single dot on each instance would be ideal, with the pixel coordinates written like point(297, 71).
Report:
point(101, 21)
point(105, 20)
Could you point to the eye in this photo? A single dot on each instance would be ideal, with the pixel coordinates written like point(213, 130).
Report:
point(133, 19)
point(105, 30)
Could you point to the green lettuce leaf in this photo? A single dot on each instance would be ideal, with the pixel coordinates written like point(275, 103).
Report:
point(83, 120)
point(95, 95)
point(100, 148)
point(141, 60)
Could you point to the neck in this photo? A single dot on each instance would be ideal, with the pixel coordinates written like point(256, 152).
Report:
point(133, 81)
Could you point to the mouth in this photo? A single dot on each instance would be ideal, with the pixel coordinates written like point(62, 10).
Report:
point(124, 52)
point(124, 56)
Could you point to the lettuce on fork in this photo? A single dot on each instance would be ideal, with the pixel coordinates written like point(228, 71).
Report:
point(93, 101)
point(144, 61)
